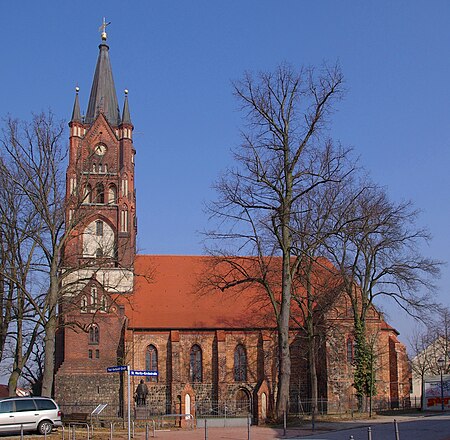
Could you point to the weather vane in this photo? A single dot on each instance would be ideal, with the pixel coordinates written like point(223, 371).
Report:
point(102, 28)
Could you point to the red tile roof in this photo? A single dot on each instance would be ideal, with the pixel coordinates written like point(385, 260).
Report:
point(169, 294)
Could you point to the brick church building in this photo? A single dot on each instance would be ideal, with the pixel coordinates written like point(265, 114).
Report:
point(152, 313)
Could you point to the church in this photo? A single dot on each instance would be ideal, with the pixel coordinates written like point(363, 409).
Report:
point(198, 352)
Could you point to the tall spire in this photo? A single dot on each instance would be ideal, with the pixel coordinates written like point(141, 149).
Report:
point(126, 119)
point(103, 98)
point(76, 114)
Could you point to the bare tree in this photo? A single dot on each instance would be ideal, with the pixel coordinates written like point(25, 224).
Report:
point(314, 222)
point(35, 156)
point(287, 112)
point(376, 253)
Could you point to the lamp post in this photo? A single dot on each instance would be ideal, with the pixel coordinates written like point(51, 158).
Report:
point(441, 363)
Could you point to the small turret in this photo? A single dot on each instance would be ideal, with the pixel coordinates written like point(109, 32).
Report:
point(126, 119)
point(76, 114)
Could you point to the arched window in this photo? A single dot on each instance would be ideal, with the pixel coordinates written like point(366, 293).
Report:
point(240, 364)
point(94, 295)
point(94, 334)
point(195, 364)
point(125, 186)
point(87, 193)
point(84, 304)
point(124, 219)
point(99, 228)
point(99, 253)
point(151, 362)
point(350, 350)
point(104, 303)
point(112, 194)
point(100, 193)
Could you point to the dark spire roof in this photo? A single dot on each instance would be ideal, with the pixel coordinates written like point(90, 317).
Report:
point(103, 96)
point(126, 119)
point(76, 114)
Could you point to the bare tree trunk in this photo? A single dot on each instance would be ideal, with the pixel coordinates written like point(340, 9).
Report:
point(284, 373)
point(50, 331)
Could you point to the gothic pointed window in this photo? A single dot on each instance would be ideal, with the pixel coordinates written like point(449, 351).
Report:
point(112, 194)
point(195, 364)
point(94, 334)
point(99, 228)
point(124, 186)
point(240, 364)
point(99, 253)
point(100, 193)
point(124, 219)
point(87, 193)
point(151, 362)
point(84, 304)
point(73, 185)
point(94, 295)
point(104, 303)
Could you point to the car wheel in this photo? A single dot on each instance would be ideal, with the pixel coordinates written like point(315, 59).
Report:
point(45, 427)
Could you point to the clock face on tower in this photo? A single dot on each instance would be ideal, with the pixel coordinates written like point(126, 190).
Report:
point(100, 149)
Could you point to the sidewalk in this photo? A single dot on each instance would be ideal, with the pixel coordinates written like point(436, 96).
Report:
point(264, 433)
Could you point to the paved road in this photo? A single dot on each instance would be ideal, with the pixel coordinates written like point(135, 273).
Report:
point(427, 428)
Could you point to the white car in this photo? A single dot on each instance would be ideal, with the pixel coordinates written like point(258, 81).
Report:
point(30, 414)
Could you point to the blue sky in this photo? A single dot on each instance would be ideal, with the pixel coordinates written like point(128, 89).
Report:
point(177, 58)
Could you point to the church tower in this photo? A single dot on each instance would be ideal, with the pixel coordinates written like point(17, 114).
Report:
point(100, 250)
point(101, 207)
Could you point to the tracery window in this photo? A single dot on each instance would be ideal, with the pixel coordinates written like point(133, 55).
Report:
point(94, 334)
point(195, 364)
point(240, 364)
point(151, 362)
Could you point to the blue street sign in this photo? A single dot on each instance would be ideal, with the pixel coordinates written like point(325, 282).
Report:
point(143, 373)
point(116, 369)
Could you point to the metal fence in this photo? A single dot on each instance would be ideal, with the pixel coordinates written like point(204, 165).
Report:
point(348, 406)
point(232, 409)
point(219, 409)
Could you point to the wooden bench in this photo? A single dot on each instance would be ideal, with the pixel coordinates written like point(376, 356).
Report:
point(77, 417)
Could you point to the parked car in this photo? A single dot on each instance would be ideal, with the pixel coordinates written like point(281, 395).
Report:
point(29, 413)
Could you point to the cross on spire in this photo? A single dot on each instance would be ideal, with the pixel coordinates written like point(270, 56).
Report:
point(102, 28)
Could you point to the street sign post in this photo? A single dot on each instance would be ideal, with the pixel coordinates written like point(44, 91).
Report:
point(116, 369)
point(143, 373)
